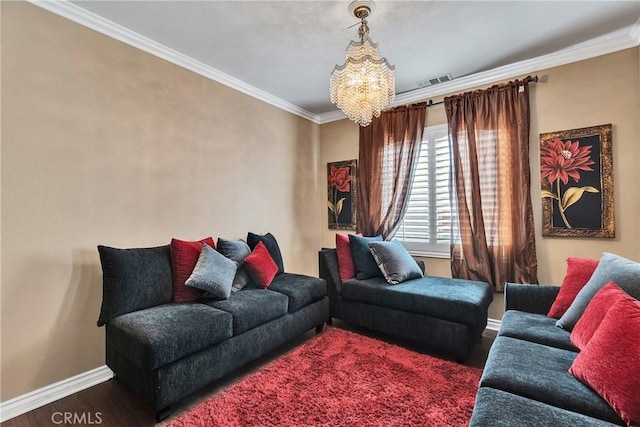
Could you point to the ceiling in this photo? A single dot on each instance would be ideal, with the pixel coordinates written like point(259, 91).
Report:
point(286, 50)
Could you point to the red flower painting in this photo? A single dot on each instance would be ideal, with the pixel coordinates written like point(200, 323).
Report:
point(339, 181)
point(340, 177)
point(560, 161)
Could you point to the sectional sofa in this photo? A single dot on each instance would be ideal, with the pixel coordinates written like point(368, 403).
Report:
point(164, 350)
point(526, 380)
point(579, 368)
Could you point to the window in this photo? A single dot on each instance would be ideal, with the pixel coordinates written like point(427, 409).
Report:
point(426, 227)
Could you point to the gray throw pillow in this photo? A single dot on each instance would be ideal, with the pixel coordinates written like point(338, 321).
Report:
point(236, 250)
point(396, 264)
point(611, 268)
point(213, 273)
point(363, 261)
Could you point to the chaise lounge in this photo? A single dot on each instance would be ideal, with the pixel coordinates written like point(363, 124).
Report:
point(439, 314)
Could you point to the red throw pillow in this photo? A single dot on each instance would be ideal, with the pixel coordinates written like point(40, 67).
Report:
point(184, 256)
point(600, 304)
point(609, 362)
point(579, 271)
point(261, 266)
point(345, 261)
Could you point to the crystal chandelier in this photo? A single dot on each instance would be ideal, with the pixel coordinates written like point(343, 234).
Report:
point(365, 84)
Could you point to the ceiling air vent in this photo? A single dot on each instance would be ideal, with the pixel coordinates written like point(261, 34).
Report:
point(435, 80)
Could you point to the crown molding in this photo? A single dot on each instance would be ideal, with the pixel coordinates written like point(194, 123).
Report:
point(635, 32)
point(590, 49)
point(95, 22)
point(331, 116)
point(599, 46)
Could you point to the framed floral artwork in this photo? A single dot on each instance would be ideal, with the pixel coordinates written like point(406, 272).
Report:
point(577, 182)
point(341, 189)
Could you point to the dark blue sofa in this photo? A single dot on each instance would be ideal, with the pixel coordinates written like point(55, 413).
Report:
point(440, 314)
point(164, 351)
point(526, 381)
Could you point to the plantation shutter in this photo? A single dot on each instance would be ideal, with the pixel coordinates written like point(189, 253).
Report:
point(427, 223)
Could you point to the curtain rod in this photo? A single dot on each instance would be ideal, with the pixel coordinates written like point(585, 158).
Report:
point(529, 79)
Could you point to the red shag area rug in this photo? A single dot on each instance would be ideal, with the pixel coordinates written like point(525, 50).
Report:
point(340, 378)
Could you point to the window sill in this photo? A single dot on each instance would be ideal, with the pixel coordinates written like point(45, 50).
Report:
point(429, 254)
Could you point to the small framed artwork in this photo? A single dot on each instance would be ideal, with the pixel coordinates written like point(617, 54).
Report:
point(577, 182)
point(341, 189)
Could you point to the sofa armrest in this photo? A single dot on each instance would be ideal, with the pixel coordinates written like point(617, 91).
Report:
point(529, 298)
point(328, 268)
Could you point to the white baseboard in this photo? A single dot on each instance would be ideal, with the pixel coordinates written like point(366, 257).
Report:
point(45, 395)
point(493, 324)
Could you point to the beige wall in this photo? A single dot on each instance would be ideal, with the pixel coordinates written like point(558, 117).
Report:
point(597, 91)
point(594, 92)
point(105, 144)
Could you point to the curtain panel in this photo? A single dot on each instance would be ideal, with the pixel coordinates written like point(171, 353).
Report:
point(493, 232)
point(388, 154)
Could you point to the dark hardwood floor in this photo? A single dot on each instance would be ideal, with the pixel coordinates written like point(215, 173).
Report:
point(111, 404)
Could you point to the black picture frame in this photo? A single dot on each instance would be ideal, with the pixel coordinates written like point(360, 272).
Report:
point(341, 194)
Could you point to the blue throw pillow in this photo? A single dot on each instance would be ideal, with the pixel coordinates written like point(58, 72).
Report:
point(395, 263)
point(213, 273)
point(611, 268)
point(363, 261)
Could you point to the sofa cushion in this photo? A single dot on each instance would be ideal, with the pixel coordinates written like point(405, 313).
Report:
point(609, 361)
point(457, 300)
point(595, 312)
point(363, 261)
point(535, 328)
point(539, 372)
point(611, 268)
point(499, 408)
point(237, 251)
point(394, 262)
point(252, 307)
point(160, 335)
point(213, 273)
point(134, 279)
point(579, 271)
point(345, 260)
point(184, 256)
point(261, 266)
point(301, 290)
point(272, 246)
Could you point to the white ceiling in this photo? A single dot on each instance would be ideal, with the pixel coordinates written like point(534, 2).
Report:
point(286, 50)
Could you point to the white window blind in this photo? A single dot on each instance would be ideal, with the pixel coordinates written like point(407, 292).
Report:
point(426, 227)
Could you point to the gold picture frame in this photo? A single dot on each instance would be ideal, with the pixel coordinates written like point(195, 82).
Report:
point(576, 168)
